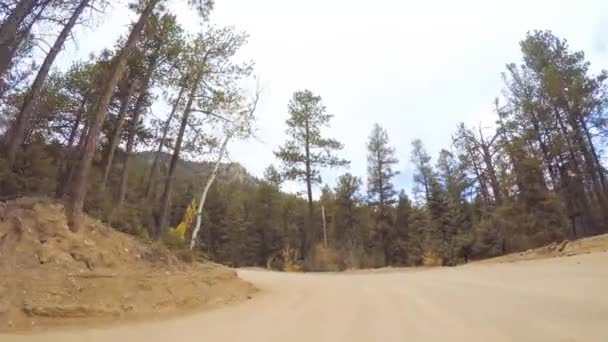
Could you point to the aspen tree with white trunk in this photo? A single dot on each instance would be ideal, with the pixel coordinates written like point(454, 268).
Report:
point(240, 127)
point(213, 82)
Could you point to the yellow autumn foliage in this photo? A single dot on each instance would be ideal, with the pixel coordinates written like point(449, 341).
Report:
point(432, 259)
point(179, 232)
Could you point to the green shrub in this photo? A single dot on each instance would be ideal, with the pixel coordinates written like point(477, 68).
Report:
point(33, 173)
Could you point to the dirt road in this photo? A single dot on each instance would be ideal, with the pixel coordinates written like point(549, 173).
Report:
point(563, 299)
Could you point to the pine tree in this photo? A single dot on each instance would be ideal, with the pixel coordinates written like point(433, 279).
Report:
point(423, 172)
point(554, 104)
point(457, 217)
point(266, 212)
point(307, 151)
point(15, 28)
point(418, 225)
point(380, 159)
point(347, 199)
point(158, 51)
point(482, 153)
point(436, 239)
point(23, 116)
point(116, 71)
point(78, 190)
point(400, 237)
point(212, 80)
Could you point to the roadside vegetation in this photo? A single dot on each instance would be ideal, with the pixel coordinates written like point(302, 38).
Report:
point(87, 136)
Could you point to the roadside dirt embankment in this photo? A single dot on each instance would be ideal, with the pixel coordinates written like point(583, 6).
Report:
point(51, 276)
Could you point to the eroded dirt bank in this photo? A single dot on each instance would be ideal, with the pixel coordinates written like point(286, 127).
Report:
point(50, 276)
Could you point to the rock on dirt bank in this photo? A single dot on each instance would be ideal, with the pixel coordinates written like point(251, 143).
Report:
point(51, 276)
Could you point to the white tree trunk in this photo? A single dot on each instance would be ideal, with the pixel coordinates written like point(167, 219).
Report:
point(197, 226)
point(230, 132)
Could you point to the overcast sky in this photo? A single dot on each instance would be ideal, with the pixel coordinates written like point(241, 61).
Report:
point(418, 68)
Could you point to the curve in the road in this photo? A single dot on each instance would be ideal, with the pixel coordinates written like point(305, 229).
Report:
point(563, 299)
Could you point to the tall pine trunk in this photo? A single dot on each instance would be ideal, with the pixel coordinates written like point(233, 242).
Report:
point(67, 154)
point(574, 164)
point(589, 165)
point(29, 103)
point(124, 178)
point(576, 122)
point(79, 114)
point(584, 161)
point(485, 194)
point(307, 234)
point(166, 196)
point(78, 192)
point(161, 144)
point(487, 159)
point(139, 108)
point(9, 33)
point(598, 165)
point(66, 178)
point(108, 159)
point(548, 159)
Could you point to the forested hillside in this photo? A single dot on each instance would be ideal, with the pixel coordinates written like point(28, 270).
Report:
point(89, 137)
